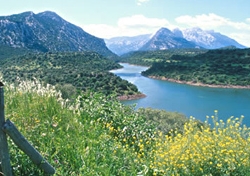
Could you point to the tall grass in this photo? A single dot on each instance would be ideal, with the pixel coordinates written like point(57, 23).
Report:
point(97, 135)
point(91, 136)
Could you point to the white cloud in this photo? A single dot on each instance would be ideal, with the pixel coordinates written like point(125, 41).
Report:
point(128, 26)
point(204, 21)
point(242, 38)
point(210, 21)
point(139, 24)
point(140, 2)
point(141, 21)
point(102, 30)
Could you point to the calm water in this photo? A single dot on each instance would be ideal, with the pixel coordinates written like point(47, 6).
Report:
point(189, 100)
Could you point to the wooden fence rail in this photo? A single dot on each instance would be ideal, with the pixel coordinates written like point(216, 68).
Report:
point(4, 152)
point(7, 127)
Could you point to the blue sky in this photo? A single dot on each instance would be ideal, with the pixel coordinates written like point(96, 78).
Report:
point(110, 18)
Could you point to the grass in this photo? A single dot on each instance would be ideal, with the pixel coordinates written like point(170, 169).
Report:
point(97, 135)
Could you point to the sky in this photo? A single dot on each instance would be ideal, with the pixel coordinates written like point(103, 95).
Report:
point(112, 18)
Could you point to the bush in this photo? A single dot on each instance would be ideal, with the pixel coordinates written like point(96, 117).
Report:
point(221, 150)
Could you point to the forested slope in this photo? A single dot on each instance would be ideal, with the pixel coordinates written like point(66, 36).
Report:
point(147, 58)
point(8, 51)
point(69, 71)
point(225, 67)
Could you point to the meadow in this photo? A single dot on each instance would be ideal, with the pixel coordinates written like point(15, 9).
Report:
point(97, 135)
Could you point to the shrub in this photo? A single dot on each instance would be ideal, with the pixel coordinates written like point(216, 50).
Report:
point(221, 150)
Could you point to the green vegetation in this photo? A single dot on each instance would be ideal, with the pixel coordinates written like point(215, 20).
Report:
point(69, 72)
point(203, 150)
point(147, 58)
point(97, 135)
point(7, 51)
point(164, 121)
point(217, 67)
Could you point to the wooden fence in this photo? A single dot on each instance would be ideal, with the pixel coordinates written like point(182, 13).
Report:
point(8, 128)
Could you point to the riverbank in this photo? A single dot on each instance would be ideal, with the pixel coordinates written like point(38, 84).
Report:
point(131, 97)
point(199, 83)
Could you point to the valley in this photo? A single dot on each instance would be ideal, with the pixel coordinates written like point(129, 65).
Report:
point(125, 105)
point(47, 47)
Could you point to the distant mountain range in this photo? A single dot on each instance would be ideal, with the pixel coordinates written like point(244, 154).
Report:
point(166, 39)
point(47, 31)
point(122, 45)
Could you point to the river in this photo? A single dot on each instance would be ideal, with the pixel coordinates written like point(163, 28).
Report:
point(195, 101)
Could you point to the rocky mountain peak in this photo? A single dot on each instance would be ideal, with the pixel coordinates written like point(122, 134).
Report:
point(164, 32)
point(166, 39)
point(177, 32)
point(49, 14)
point(47, 31)
point(208, 38)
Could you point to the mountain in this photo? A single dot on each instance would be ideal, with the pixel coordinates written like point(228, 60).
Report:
point(166, 39)
point(47, 31)
point(122, 45)
point(209, 39)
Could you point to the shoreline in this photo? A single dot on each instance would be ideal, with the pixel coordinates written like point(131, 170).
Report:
point(200, 84)
point(131, 97)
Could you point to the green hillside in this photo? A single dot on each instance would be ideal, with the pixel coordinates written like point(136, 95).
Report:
point(7, 51)
point(147, 58)
point(69, 72)
point(225, 67)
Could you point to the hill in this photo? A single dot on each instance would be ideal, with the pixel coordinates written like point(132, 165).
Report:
point(47, 31)
point(222, 68)
point(147, 58)
point(69, 72)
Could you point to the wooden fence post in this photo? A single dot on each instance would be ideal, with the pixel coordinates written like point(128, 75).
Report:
point(27, 148)
point(4, 152)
